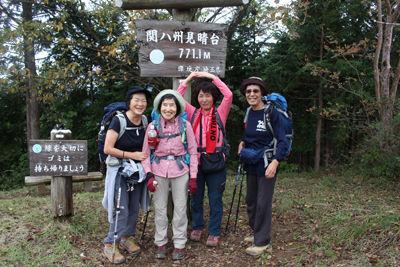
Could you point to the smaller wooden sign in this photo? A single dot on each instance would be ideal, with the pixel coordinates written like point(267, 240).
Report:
point(58, 157)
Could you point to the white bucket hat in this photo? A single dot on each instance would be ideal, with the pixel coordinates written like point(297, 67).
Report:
point(164, 92)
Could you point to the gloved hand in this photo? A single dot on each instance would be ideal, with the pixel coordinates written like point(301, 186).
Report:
point(192, 186)
point(150, 180)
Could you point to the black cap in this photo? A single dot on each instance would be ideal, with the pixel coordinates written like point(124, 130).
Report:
point(138, 89)
point(254, 80)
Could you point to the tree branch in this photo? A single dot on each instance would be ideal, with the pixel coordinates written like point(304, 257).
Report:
point(236, 21)
point(395, 14)
point(396, 81)
point(378, 52)
point(216, 13)
point(85, 23)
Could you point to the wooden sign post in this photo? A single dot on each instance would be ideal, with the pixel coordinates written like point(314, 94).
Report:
point(176, 48)
point(60, 158)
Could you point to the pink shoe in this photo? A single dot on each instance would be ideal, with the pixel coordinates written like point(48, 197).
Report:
point(195, 235)
point(212, 241)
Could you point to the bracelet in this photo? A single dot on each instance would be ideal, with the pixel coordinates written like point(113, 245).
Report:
point(123, 154)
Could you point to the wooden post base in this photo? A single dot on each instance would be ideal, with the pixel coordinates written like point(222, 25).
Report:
point(41, 189)
point(61, 196)
point(88, 186)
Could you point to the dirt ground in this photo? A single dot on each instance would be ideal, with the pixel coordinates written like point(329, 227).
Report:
point(229, 252)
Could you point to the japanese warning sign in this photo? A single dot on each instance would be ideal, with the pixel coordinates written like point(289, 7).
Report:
point(176, 48)
point(58, 158)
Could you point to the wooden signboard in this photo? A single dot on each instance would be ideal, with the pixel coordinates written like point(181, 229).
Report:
point(58, 157)
point(176, 48)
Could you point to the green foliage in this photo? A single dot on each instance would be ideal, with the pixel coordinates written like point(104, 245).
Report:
point(14, 176)
point(330, 56)
point(13, 157)
point(380, 164)
point(287, 168)
point(73, 90)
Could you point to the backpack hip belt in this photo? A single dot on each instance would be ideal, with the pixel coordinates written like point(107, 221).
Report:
point(217, 149)
point(178, 159)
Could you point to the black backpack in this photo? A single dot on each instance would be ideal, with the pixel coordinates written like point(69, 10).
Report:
point(114, 109)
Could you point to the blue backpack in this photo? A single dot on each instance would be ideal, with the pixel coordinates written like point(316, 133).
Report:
point(278, 102)
point(182, 132)
point(115, 109)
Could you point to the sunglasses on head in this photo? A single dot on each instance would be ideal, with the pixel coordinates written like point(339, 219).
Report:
point(255, 91)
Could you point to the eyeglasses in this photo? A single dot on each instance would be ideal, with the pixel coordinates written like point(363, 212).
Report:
point(255, 91)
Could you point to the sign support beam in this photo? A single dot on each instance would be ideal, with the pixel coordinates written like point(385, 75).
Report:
point(171, 4)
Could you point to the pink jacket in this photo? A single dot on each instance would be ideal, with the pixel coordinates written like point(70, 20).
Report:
point(173, 146)
point(223, 110)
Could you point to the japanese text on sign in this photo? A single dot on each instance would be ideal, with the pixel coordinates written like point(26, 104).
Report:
point(178, 36)
point(174, 49)
point(58, 158)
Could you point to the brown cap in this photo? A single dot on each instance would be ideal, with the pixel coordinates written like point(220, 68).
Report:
point(254, 80)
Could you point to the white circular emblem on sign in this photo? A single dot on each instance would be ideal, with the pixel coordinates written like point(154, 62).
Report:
point(37, 148)
point(156, 56)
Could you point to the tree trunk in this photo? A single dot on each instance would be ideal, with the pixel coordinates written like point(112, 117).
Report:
point(328, 143)
point(385, 103)
point(32, 105)
point(318, 132)
point(300, 160)
point(320, 105)
point(384, 94)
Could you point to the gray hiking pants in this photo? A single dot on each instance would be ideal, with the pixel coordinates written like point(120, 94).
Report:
point(129, 207)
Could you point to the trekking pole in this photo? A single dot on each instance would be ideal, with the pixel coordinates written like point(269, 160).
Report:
point(238, 205)
point(233, 198)
point(117, 211)
point(145, 222)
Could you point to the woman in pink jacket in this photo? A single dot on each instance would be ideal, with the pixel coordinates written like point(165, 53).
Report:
point(168, 167)
point(209, 137)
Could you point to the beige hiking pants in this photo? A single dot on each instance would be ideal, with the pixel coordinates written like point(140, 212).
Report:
point(179, 188)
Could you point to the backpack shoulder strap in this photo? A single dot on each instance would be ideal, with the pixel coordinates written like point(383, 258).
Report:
point(267, 118)
point(122, 124)
point(157, 125)
point(182, 129)
point(246, 117)
point(194, 115)
point(145, 122)
point(225, 145)
point(219, 122)
point(182, 125)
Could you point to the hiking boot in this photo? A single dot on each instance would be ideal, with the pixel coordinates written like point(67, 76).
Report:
point(108, 253)
point(195, 235)
point(255, 250)
point(161, 252)
point(212, 241)
point(249, 239)
point(178, 254)
point(129, 245)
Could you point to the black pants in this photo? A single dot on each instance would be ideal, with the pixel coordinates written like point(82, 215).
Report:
point(260, 191)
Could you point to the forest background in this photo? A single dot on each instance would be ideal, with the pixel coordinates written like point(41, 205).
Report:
point(64, 61)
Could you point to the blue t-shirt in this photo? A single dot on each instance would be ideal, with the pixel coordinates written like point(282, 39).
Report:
point(256, 137)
